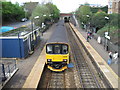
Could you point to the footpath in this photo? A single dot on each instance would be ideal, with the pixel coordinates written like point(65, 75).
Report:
point(100, 49)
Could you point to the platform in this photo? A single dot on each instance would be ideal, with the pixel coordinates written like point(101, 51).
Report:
point(36, 72)
point(35, 75)
point(109, 74)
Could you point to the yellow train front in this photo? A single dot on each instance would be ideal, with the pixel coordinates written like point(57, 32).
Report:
point(57, 49)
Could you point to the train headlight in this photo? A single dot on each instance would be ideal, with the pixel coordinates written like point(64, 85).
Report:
point(49, 60)
point(65, 60)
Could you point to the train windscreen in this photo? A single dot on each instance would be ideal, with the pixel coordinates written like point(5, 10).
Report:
point(50, 49)
point(57, 49)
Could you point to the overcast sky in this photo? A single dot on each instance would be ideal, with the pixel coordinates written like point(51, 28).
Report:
point(66, 6)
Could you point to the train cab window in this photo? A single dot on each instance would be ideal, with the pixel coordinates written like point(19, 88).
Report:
point(57, 49)
point(50, 49)
point(64, 49)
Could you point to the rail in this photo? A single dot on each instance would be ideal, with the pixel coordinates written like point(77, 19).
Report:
point(87, 77)
point(57, 80)
point(107, 73)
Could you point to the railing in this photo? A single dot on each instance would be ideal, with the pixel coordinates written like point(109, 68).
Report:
point(111, 46)
point(6, 71)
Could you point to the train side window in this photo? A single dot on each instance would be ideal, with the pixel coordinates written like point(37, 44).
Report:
point(64, 49)
point(57, 49)
point(49, 49)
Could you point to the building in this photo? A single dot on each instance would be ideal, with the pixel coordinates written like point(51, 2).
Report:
point(113, 6)
point(63, 15)
point(93, 5)
point(19, 43)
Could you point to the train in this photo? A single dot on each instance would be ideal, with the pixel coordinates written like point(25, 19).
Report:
point(57, 49)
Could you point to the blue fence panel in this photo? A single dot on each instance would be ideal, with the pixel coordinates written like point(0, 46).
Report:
point(12, 48)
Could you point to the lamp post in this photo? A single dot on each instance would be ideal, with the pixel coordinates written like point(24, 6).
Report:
point(107, 18)
point(51, 16)
point(32, 26)
point(107, 37)
point(86, 24)
point(43, 24)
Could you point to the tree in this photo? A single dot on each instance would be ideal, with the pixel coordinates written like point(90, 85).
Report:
point(0, 9)
point(29, 8)
point(46, 12)
point(55, 12)
point(114, 19)
point(0, 14)
point(84, 14)
point(96, 9)
point(18, 12)
point(43, 12)
point(98, 20)
point(11, 12)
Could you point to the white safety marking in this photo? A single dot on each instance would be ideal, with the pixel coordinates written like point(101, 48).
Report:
point(105, 69)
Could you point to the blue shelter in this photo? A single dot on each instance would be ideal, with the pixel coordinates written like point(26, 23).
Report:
point(19, 44)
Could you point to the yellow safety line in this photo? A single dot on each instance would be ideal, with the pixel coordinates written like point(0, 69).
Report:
point(36, 72)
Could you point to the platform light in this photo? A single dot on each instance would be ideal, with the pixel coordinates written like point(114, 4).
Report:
point(108, 31)
point(32, 24)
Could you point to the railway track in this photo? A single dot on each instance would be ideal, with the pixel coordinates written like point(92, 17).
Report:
point(57, 80)
point(86, 75)
point(82, 76)
point(52, 79)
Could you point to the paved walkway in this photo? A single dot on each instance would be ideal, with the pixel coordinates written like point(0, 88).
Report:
point(25, 65)
point(100, 49)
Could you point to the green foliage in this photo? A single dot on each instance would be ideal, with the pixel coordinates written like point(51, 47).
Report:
point(11, 11)
point(29, 7)
point(114, 19)
point(96, 9)
point(55, 13)
point(98, 20)
point(0, 13)
point(107, 28)
point(40, 11)
point(46, 12)
point(83, 12)
point(112, 27)
point(113, 32)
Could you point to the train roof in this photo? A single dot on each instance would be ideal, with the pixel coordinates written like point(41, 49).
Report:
point(59, 35)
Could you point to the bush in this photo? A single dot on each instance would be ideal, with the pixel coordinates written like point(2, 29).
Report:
point(114, 19)
point(98, 20)
point(11, 11)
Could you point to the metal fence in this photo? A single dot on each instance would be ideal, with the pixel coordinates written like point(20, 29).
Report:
point(6, 71)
